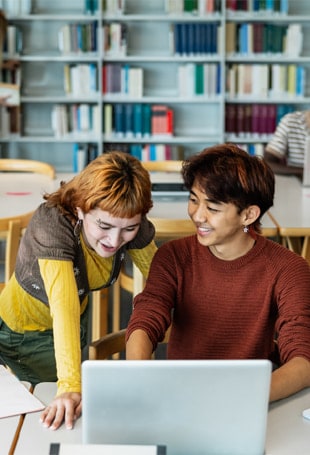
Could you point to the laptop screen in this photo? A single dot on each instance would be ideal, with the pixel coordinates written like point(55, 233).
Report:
point(193, 407)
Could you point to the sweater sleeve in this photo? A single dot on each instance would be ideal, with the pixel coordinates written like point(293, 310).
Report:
point(60, 285)
point(143, 257)
point(152, 309)
point(293, 301)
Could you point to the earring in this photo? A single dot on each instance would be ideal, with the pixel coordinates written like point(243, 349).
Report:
point(77, 228)
point(245, 229)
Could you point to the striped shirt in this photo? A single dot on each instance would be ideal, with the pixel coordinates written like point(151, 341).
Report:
point(289, 138)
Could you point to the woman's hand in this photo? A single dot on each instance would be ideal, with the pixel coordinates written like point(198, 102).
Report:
point(66, 407)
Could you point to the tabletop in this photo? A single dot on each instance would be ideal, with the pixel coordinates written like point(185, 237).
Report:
point(22, 192)
point(288, 432)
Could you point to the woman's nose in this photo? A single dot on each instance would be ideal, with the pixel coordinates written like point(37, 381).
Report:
point(114, 236)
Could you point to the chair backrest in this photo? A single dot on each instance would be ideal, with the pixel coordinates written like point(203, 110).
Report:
point(163, 166)
point(167, 229)
point(11, 230)
point(18, 165)
point(111, 344)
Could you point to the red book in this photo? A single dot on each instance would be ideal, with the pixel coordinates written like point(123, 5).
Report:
point(255, 119)
point(170, 118)
point(230, 118)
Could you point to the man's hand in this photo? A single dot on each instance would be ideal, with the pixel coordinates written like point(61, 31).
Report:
point(66, 407)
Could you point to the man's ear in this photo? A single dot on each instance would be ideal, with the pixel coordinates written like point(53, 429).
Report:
point(251, 214)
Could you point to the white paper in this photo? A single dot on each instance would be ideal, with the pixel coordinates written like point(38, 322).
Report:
point(106, 449)
point(15, 399)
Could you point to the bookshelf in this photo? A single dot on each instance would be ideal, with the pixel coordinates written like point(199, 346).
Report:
point(158, 78)
point(267, 62)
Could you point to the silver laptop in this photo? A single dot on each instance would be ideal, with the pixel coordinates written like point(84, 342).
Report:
point(193, 407)
point(306, 173)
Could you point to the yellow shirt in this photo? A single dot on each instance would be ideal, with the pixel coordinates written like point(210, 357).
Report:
point(20, 311)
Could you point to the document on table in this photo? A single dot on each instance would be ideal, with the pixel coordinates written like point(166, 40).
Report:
point(15, 399)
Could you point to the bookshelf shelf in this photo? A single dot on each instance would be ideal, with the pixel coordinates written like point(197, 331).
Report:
point(183, 73)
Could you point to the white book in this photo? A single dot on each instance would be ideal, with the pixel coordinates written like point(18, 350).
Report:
point(84, 116)
point(136, 82)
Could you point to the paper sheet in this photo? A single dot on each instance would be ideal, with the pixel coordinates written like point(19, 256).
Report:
point(15, 399)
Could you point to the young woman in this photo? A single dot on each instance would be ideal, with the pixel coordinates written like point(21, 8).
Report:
point(74, 244)
point(228, 292)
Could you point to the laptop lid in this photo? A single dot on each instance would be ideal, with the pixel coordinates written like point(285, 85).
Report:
point(193, 407)
point(306, 172)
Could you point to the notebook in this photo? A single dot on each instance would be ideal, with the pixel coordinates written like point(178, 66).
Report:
point(306, 172)
point(193, 407)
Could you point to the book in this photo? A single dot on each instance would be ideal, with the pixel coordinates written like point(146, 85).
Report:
point(14, 397)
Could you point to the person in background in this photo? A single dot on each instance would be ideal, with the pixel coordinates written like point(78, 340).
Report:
point(74, 244)
point(285, 151)
point(227, 292)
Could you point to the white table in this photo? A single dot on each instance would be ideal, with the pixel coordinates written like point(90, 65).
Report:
point(22, 192)
point(288, 433)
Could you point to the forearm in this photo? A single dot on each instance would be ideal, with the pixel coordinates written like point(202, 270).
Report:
point(139, 346)
point(290, 378)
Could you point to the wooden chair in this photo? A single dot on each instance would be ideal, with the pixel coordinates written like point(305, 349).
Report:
point(163, 166)
point(11, 230)
point(17, 165)
point(110, 346)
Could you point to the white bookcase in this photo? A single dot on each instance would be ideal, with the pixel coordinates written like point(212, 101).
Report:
point(198, 119)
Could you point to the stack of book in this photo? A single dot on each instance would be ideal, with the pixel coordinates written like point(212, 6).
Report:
point(199, 79)
point(195, 38)
point(137, 120)
point(123, 80)
point(265, 80)
point(77, 38)
point(80, 79)
point(254, 120)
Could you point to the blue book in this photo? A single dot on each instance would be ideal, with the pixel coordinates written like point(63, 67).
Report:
point(128, 120)
point(119, 127)
point(270, 5)
point(137, 120)
point(146, 120)
point(136, 150)
point(284, 6)
point(152, 152)
point(300, 81)
point(243, 38)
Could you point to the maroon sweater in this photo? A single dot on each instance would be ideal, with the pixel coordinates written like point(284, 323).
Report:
point(226, 309)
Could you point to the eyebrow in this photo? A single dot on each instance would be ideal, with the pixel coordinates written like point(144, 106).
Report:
point(101, 222)
point(213, 201)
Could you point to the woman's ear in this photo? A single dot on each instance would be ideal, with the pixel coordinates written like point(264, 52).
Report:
point(80, 213)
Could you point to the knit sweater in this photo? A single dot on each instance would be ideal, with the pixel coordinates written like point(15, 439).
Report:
point(55, 271)
point(226, 309)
